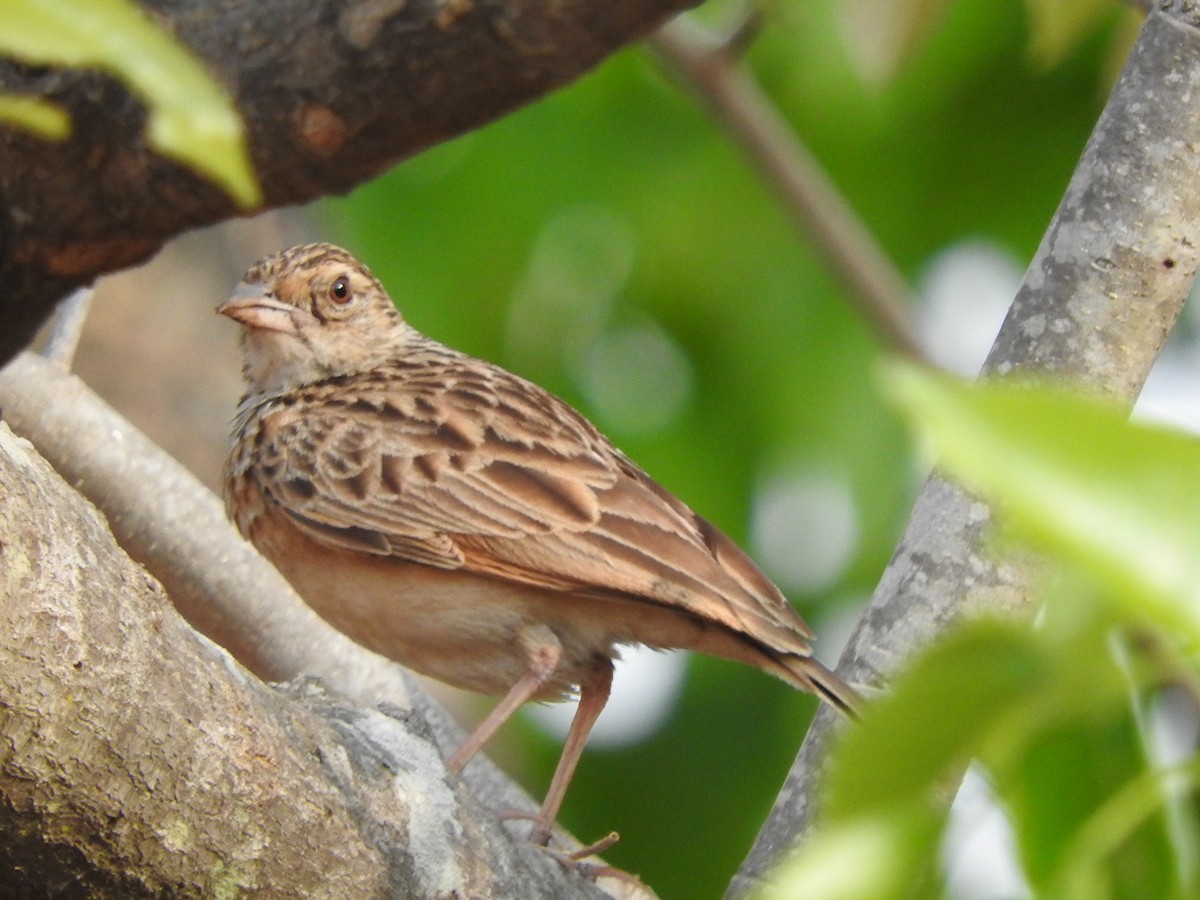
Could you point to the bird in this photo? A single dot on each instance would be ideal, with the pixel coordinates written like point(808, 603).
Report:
point(461, 520)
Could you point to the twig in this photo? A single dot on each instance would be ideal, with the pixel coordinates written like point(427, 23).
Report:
point(741, 34)
point(66, 327)
point(710, 67)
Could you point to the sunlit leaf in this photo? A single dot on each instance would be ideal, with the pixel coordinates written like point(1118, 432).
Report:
point(191, 118)
point(1046, 712)
point(888, 769)
point(39, 116)
point(1072, 473)
point(870, 857)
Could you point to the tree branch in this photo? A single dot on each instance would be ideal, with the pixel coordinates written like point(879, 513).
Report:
point(1095, 307)
point(333, 92)
point(93, 633)
point(728, 90)
point(182, 536)
point(66, 327)
point(138, 760)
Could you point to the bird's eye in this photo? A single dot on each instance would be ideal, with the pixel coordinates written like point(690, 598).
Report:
point(339, 291)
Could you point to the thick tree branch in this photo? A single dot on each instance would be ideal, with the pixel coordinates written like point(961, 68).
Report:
point(333, 92)
point(71, 594)
point(137, 759)
point(1100, 297)
point(166, 520)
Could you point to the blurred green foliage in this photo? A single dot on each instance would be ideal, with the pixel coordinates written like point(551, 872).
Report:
point(616, 204)
point(1058, 715)
point(611, 245)
point(968, 140)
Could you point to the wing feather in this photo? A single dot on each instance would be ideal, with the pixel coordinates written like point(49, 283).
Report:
point(473, 468)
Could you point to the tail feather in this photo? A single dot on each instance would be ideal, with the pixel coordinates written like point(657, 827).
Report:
point(810, 674)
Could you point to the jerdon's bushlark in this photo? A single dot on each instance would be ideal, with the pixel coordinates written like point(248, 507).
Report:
point(464, 522)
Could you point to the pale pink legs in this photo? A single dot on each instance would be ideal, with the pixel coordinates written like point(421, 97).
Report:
point(544, 656)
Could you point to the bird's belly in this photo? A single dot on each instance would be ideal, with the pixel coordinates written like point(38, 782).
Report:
point(467, 630)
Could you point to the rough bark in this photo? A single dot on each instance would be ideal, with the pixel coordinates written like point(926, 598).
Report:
point(214, 578)
point(166, 520)
point(332, 91)
point(138, 759)
point(1095, 307)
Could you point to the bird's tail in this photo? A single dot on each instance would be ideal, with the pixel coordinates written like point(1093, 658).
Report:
point(810, 674)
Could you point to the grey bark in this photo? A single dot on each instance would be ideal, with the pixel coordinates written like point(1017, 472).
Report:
point(170, 523)
point(137, 758)
point(333, 92)
point(165, 519)
point(1095, 307)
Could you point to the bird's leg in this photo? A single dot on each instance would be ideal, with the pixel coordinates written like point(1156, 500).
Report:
point(543, 651)
point(593, 695)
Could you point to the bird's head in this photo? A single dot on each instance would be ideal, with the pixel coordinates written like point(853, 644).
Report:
point(310, 313)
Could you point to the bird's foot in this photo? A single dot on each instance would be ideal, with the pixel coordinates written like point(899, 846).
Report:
point(577, 860)
point(581, 861)
point(542, 831)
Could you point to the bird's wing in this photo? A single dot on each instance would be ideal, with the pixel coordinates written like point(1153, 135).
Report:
point(476, 469)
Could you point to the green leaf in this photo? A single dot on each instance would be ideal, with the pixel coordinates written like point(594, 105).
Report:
point(935, 719)
point(888, 769)
point(43, 118)
point(1100, 850)
point(191, 118)
point(872, 857)
point(1072, 474)
point(1118, 501)
point(1063, 777)
point(1046, 713)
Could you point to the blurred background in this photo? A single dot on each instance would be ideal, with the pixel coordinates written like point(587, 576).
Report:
point(611, 244)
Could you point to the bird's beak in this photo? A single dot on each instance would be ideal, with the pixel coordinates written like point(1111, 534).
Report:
point(251, 305)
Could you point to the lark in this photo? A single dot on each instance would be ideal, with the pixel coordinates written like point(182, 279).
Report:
point(466, 523)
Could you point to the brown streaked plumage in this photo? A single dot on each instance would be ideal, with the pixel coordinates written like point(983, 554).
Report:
point(461, 520)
